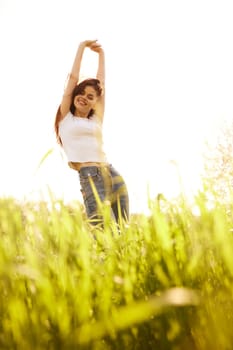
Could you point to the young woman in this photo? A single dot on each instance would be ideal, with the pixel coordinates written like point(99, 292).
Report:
point(78, 127)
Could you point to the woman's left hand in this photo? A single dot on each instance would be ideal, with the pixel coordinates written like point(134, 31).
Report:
point(96, 47)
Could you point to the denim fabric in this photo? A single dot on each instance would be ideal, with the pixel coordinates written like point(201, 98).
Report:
point(109, 185)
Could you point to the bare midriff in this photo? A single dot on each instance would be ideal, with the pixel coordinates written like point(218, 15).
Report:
point(78, 166)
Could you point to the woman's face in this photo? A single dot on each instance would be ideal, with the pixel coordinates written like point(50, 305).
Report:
point(86, 101)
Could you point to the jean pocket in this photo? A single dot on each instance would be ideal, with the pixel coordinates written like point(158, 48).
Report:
point(89, 174)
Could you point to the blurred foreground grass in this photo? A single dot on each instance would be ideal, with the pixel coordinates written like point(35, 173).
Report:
point(164, 282)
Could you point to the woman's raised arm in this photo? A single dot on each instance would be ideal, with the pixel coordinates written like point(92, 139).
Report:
point(100, 75)
point(73, 77)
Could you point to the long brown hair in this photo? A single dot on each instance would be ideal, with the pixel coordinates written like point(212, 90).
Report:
point(78, 90)
point(56, 125)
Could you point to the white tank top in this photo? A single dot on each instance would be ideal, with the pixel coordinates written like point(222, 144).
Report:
point(82, 139)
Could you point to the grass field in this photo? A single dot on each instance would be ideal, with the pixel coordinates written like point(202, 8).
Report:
point(162, 281)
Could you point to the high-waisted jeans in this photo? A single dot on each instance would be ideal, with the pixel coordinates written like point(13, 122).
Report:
point(104, 183)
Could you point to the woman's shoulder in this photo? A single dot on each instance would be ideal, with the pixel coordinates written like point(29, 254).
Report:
point(96, 119)
point(69, 115)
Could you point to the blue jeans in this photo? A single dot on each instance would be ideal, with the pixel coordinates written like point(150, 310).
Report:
point(108, 185)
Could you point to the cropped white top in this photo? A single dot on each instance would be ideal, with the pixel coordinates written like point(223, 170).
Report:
point(82, 139)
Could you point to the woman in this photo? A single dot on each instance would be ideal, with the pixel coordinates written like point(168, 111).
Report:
point(78, 127)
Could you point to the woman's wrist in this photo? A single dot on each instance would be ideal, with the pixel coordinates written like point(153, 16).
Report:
point(83, 44)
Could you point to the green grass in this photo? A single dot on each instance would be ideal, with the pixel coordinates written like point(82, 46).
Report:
point(164, 282)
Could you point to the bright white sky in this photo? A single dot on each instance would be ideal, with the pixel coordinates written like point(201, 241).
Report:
point(169, 86)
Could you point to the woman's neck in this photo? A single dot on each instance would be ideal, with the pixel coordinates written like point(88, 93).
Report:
point(80, 114)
